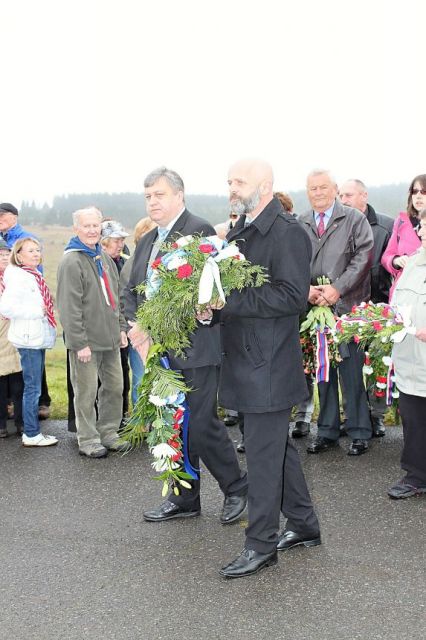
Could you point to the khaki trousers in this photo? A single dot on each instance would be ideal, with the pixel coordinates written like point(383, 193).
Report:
point(105, 365)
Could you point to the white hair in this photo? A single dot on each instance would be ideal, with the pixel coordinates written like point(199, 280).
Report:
point(81, 212)
point(321, 172)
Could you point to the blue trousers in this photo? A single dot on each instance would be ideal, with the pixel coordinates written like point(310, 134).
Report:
point(32, 362)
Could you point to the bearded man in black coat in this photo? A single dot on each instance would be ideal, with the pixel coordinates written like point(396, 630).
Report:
point(262, 372)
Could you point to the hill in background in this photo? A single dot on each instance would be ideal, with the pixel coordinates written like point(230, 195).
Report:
point(128, 208)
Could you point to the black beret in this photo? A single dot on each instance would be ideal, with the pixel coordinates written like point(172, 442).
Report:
point(6, 207)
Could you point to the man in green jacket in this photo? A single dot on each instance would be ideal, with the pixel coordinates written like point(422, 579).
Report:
point(94, 328)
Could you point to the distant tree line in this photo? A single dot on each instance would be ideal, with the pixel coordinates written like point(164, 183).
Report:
point(128, 208)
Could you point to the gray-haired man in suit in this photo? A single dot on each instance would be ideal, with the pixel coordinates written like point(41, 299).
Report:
point(208, 438)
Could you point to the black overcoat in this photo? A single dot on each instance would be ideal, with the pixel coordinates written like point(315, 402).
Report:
point(262, 368)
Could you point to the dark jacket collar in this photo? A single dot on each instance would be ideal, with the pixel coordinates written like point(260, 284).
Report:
point(263, 222)
point(371, 214)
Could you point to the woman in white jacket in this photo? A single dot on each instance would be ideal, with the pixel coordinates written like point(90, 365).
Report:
point(26, 300)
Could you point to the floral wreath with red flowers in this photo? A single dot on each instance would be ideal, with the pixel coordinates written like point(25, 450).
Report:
point(376, 327)
point(195, 274)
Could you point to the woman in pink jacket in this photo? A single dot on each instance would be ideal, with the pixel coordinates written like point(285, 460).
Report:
point(404, 240)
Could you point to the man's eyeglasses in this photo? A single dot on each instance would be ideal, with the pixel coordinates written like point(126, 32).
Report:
point(414, 192)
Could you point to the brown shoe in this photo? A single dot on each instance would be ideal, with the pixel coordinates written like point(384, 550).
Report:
point(43, 412)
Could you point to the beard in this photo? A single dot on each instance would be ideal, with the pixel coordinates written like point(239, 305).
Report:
point(246, 205)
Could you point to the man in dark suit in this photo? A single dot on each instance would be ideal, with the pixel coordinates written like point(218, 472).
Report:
point(353, 193)
point(342, 251)
point(208, 438)
point(262, 372)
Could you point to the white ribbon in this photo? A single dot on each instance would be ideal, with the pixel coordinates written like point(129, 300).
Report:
point(405, 312)
point(211, 274)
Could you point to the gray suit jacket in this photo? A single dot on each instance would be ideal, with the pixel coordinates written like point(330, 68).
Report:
point(344, 254)
point(205, 349)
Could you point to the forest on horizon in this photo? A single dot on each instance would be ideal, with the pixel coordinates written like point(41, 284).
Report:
point(128, 208)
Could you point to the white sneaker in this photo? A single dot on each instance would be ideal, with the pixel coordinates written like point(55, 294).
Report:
point(39, 440)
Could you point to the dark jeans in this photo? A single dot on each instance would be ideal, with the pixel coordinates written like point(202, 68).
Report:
point(11, 386)
point(32, 362)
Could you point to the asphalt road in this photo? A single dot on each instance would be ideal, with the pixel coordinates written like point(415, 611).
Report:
point(77, 561)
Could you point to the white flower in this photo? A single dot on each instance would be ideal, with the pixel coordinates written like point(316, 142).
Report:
point(367, 370)
point(216, 242)
point(159, 402)
point(384, 339)
point(172, 399)
point(182, 242)
point(387, 361)
point(175, 263)
point(395, 394)
point(381, 385)
point(159, 465)
point(162, 450)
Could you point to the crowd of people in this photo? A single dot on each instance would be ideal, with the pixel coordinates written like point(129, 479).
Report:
point(248, 359)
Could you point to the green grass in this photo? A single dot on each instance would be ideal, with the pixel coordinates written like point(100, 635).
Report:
point(56, 370)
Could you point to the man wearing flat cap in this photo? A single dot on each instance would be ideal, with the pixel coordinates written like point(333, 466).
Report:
point(10, 230)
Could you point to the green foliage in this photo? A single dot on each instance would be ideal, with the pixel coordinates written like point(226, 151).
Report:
point(169, 316)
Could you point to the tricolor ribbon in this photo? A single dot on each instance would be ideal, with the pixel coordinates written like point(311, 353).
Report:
point(194, 473)
point(322, 371)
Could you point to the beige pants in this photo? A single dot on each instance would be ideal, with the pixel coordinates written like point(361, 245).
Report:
point(105, 365)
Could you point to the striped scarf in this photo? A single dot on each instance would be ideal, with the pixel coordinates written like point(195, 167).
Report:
point(45, 293)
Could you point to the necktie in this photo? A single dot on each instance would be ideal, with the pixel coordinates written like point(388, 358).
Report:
point(162, 233)
point(321, 226)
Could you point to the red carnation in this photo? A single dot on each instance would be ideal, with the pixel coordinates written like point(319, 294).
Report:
point(377, 325)
point(184, 271)
point(386, 312)
point(177, 456)
point(236, 257)
point(156, 263)
point(178, 414)
point(175, 245)
point(206, 248)
point(174, 444)
point(357, 339)
point(379, 393)
point(176, 426)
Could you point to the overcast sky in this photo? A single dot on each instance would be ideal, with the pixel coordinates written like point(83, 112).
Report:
point(95, 94)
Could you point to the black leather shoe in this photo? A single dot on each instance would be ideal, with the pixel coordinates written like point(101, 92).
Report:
point(241, 447)
point(378, 427)
point(167, 511)
point(301, 429)
point(249, 562)
point(321, 444)
point(403, 489)
point(289, 539)
point(358, 447)
point(233, 506)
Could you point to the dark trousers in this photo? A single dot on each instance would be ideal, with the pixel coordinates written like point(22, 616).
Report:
point(11, 386)
point(358, 422)
point(413, 458)
point(124, 355)
point(208, 439)
point(275, 482)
